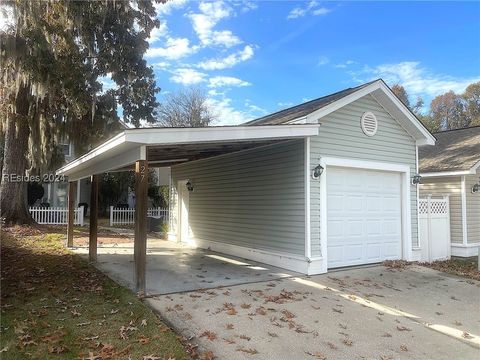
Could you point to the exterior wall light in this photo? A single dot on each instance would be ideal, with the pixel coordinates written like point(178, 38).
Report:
point(416, 179)
point(475, 188)
point(189, 186)
point(317, 171)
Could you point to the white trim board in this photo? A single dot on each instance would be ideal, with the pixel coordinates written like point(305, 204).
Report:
point(404, 170)
point(308, 220)
point(469, 250)
point(463, 195)
point(388, 100)
point(472, 171)
point(130, 145)
point(286, 261)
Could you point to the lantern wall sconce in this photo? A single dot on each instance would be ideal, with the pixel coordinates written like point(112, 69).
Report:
point(189, 186)
point(317, 171)
point(416, 179)
point(475, 188)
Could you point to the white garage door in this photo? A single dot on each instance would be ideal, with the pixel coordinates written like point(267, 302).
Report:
point(363, 216)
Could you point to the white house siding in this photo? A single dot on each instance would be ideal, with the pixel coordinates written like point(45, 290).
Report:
point(253, 198)
point(473, 209)
point(441, 186)
point(341, 136)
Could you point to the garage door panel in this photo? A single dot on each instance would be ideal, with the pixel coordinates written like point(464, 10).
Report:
point(353, 252)
point(336, 202)
point(353, 203)
point(374, 203)
point(363, 216)
point(354, 228)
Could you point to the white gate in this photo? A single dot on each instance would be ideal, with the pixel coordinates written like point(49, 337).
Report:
point(434, 228)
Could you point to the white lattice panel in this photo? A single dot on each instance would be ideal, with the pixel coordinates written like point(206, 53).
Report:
point(423, 207)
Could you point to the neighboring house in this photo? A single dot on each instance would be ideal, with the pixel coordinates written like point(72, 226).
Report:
point(321, 185)
point(452, 167)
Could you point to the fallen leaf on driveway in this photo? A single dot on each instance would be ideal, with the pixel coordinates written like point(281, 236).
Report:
point(332, 346)
point(403, 328)
point(248, 351)
point(317, 355)
point(347, 342)
point(229, 326)
point(210, 335)
point(466, 335)
point(403, 347)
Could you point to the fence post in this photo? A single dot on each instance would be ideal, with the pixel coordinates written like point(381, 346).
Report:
point(111, 215)
point(429, 227)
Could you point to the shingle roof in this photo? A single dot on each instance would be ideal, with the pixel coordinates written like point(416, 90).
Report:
point(298, 111)
point(455, 150)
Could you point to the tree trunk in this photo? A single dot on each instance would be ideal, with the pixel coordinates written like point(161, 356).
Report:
point(13, 193)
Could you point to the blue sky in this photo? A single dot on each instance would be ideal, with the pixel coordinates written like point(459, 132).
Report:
point(253, 58)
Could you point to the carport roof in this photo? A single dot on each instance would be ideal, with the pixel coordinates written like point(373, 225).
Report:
point(168, 146)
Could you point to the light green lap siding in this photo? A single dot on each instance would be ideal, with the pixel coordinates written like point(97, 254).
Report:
point(452, 187)
point(253, 198)
point(473, 209)
point(341, 136)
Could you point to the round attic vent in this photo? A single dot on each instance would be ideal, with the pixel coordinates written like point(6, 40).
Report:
point(369, 123)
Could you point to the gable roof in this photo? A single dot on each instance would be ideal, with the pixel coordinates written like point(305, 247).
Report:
point(455, 151)
point(299, 111)
point(313, 111)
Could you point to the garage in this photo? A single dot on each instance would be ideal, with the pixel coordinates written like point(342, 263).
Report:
point(364, 216)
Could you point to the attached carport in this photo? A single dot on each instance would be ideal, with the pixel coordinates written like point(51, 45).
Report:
point(139, 149)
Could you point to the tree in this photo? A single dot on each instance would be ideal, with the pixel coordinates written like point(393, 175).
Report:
point(186, 108)
point(471, 97)
point(52, 58)
point(448, 111)
point(401, 93)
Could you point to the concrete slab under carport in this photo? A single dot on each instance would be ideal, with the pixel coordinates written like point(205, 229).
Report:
point(173, 268)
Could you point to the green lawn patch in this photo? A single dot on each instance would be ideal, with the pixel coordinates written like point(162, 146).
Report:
point(55, 305)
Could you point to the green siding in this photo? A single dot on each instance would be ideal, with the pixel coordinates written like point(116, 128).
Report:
point(341, 136)
point(253, 198)
point(473, 209)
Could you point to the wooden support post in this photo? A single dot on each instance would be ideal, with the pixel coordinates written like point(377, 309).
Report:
point(71, 212)
point(140, 242)
point(92, 243)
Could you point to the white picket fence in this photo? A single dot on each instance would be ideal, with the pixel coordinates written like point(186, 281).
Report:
point(434, 228)
point(120, 216)
point(56, 215)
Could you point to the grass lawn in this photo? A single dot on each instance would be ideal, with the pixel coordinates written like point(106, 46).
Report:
point(55, 305)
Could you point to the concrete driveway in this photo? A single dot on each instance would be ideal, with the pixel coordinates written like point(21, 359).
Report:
point(364, 313)
point(173, 267)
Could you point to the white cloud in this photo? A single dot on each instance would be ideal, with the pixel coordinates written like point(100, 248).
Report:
point(167, 7)
point(417, 80)
point(321, 11)
point(176, 48)
point(229, 61)
point(186, 76)
point(323, 60)
point(345, 64)
point(157, 33)
point(229, 115)
point(204, 22)
point(107, 83)
point(284, 105)
point(222, 81)
point(312, 7)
